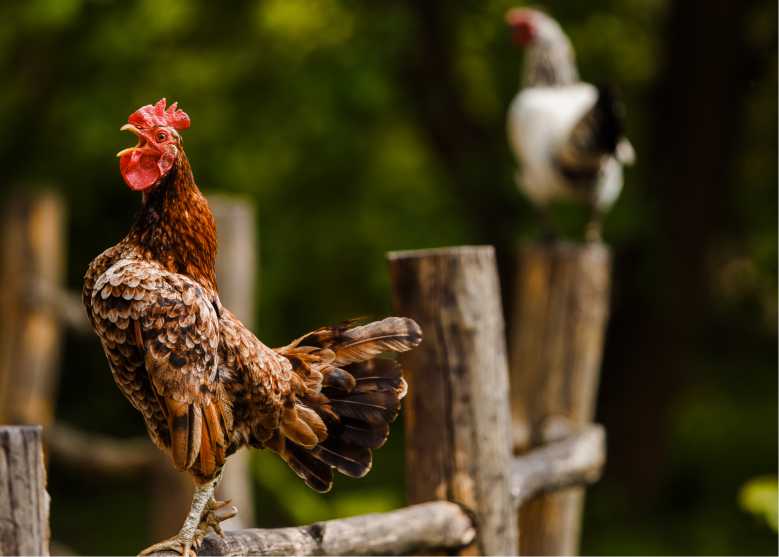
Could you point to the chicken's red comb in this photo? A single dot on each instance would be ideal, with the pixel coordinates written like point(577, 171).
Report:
point(150, 116)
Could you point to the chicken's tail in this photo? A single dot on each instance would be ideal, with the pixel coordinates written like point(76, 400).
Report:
point(599, 132)
point(347, 397)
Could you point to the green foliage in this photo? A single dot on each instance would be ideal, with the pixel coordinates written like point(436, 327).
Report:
point(760, 496)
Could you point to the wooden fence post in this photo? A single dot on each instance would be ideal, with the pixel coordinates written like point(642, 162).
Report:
point(559, 325)
point(24, 503)
point(33, 264)
point(236, 269)
point(457, 411)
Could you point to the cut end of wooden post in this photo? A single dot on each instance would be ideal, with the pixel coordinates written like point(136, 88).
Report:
point(453, 251)
point(597, 251)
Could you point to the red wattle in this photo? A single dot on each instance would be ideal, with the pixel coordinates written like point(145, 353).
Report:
point(139, 170)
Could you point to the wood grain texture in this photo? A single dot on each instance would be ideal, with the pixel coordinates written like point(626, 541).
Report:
point(560, 319)
point(33, 257)
point(457, 412)
point(417, 529)
point(24, 503)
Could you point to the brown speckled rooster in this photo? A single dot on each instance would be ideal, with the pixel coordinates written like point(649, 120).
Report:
point(205, 385)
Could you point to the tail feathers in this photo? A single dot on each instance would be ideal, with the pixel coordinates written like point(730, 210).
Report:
point(303, 426)
point(373, 407)
point(394, 334)
point(599, 132)
point(357, 396)
point(339, 379)
point(317, 474)
point(363, 342)
point(350, 460)
point(609, 117)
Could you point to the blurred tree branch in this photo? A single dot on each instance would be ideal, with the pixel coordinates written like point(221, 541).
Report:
point(94, 453)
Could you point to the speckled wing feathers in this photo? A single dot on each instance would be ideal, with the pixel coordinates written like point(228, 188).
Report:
point(180, 333)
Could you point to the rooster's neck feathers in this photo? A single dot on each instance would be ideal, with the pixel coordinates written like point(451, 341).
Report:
point(176, 227)
point(550, 60)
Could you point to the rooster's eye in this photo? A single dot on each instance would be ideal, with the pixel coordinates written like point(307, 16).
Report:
point(161, 136)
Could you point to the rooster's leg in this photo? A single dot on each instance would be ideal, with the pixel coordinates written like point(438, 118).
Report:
point(202, 515)
point(594, 226)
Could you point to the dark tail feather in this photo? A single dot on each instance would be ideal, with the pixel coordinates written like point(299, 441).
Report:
point(364, 414)
point(610, 118)
point(318, 475)
point(600, 132)
point(359, 397)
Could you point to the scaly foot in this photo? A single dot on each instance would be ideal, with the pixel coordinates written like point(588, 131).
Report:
point(182, 543)
point(187, 543)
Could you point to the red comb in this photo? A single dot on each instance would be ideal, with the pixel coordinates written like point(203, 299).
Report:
point(150, 116)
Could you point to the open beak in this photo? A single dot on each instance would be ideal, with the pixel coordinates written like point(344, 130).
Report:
point(140, 146)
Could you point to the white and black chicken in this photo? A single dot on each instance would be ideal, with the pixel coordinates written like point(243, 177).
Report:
point(568, 136)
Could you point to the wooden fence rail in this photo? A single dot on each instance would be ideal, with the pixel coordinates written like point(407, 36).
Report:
point(422, 528)
point(426, 527)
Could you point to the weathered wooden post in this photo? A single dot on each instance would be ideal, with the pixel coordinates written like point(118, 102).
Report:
point(457, 411)
point(236, 275)
point(24, 503)
point(559, 324)
point(236, 270)
point(33, 265)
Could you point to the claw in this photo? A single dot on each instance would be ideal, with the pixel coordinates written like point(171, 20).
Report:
point(214, 505)
point(211, 518)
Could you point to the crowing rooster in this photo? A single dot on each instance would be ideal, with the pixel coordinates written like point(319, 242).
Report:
point(205, 385)
point(566, 134)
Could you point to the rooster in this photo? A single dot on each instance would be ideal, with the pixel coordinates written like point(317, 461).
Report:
point(568, 136)
point(205, 385)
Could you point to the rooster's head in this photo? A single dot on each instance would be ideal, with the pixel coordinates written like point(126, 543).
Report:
point(159, 144)
point(530, 26)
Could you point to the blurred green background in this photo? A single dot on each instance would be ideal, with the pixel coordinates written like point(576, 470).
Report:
point(361, 127)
